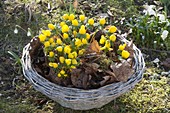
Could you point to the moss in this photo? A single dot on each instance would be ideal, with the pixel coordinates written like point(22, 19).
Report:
point(7, 106)
point(151, 95)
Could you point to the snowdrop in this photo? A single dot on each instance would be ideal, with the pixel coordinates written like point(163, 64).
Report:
point(164, 34)
point(16, 31)
point(149, 9)
point(161, 17)
point(29, 32)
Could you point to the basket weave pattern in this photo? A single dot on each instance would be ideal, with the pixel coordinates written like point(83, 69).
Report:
point(80, 99)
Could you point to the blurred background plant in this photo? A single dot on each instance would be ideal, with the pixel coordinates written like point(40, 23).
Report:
point(151, 29)
point(166, 5)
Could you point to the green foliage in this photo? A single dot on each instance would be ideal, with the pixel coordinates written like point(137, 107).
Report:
point(166, 4)
point(16, 57)
point(147, 31)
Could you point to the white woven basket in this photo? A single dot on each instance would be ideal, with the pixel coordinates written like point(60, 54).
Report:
point(80, 99)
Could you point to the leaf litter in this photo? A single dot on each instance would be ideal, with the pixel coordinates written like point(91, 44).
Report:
point(96, 69)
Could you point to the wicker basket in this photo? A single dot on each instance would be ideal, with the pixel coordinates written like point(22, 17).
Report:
point(80, 99)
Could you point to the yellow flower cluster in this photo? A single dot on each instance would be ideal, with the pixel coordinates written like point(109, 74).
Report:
point(125, 54)
point(107, 40)
point(62, 73)
point(65, 42)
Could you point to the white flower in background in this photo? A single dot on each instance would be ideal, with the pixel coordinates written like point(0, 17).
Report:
point(16, 31)
point(164, 34)
point(29, 32)
point(161, 17)
point(155, 42)
point(143, 37)
point(149, 9)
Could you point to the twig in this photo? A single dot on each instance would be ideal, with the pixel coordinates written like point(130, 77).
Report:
point(155, 50)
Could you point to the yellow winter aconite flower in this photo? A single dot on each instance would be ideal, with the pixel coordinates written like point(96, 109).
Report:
point(43, 31)
point(82, 26)
point(91, 21)
point(46, 32)
point(74, 33)
point(46, 44)
point(59, 42)
point(107, 44)
point(112, 37)
point(103, 48)
point(78, 42)
point(75, 22)
point(67, 49)
point(73, 67)
point(50, 64)
point(81, 51)
point(82, 30)
point(65, 28)
point(84, 41)
point(59, 48)
point(62, 72)
point(122, 47)
point(65, 17)
point(112, 29)
point(42, 37)
point(65, 75)
point(62, 23)
point(51, 40)
point(87, 36)
point(102, 21)
point(74, 61)
point(82, 17)
point(125, 54)
point(70, 55)
point(51, 54)
point(59, 75)
point(68, 61)
point(65, 35)
point(55, 65)
point(71, 17)
point(61, 59)
point(53, 44)
point(51, 26)
point(102, 39)
point(74, 54)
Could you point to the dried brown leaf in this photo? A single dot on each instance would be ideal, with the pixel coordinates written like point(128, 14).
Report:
point(104, 82)
point(166, 64)
point(80, 80)
point(35, 45)
point(75, 4)
point(122, 70)
point(94, 46)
